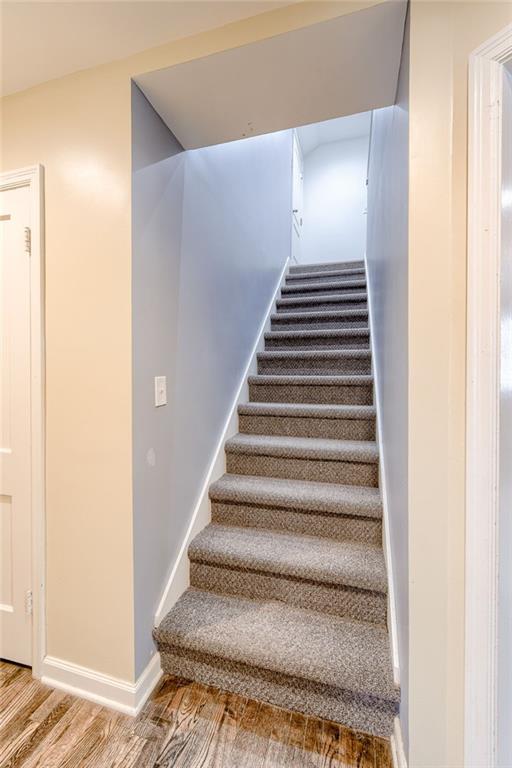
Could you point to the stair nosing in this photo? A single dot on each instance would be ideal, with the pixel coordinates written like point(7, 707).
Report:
point(312, 354)
point(352, 379)
point(327, 285)
point(280, 493)
point(340, 298)
point(320, 313)
point(311, 333)
point(292, 664)
point(308, 448)
point(308, 410)
point(334, 273)
point(300, 569)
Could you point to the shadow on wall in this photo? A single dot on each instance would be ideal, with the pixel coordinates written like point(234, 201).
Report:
point(210, 235)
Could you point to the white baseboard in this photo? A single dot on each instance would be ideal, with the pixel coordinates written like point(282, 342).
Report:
point(179, 579)
point(392, 624)
point(99, 688)
point(397, 746)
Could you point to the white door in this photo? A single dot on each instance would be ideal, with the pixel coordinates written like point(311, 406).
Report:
point(15, 427)
point(297, 198)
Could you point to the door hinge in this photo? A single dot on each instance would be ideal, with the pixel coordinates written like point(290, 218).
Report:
point(28, 241)
point(28, 602)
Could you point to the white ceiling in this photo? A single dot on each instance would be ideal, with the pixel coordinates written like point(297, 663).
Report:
point(44, 40)
point(339, 67)
point(339, 129)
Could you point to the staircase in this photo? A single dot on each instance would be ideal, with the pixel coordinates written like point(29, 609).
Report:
point(288, 595)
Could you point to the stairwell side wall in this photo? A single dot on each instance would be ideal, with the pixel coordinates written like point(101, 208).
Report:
point(234, 247)
point(387, 268)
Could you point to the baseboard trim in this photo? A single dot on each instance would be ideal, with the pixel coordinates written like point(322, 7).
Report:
point(397, 746)
point(393, 629)
point(179, 579)
point(99, 688)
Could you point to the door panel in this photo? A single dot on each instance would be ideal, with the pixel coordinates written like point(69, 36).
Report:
point(15, 468)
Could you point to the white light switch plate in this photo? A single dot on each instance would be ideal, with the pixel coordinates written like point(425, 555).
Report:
point(160, 390)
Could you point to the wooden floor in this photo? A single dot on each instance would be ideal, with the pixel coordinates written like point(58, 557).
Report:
point(186, 725)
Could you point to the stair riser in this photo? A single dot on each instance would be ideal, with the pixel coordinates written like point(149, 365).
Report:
point(327, 277)
point(344, 472)
point(310, 324)
point(315, 367)
point(302, 393)
point(336, 429)
point(363, 713)
point(302, 292)
point(318, 342)
point(298, 269)
point(339, 527)
point(335, 303)
point(335, 599)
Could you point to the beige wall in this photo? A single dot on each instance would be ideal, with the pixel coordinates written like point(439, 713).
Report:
point(78, 127)
point(442, 36)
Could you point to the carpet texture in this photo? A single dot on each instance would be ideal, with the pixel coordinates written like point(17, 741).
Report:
point(288, 596)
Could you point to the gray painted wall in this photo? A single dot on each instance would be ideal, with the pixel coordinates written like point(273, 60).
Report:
point(387, 259)
point(236, 237)
point(210, 235)
point(334, 227)
point(158, 165)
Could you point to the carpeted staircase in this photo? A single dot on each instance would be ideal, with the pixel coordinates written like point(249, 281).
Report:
point(288, 596)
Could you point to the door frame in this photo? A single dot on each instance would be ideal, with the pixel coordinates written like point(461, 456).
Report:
point(33, 178)
point(486, 66)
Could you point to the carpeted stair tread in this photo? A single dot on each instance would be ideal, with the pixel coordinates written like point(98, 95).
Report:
point(332, 285)
point(331, 274)
point(340, 334)
point(305, 410)
point(305, 448)
point(308, 496)
point(318, 319)
point(280, 638)
point(336, 299)
point(297, 269)
point(344, 563)
point(314, 354)
point(320, 314)
point(315, 380)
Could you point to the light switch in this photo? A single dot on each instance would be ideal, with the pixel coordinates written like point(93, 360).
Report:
point(160, 390)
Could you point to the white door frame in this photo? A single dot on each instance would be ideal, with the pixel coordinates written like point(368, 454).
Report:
point(33, 178)
point(483, 392)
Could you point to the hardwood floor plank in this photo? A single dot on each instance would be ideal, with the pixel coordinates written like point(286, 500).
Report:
point(234, 707)
point(356, 749)
point(71, 728)
point(383, 754)
point(183, 725)
point(16, 720)
point(22, 691)
point(200, 747)
point(250, 743)
point(37, 735)
point(186, 716)
point(278, 728)
point(297, 740)
point(313, 741)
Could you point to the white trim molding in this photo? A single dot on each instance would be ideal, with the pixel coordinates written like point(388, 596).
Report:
point(397, 746)
point(179, 579)
point(386, 536)
point(102, 689)
point(33, 177)
point(482, 396)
